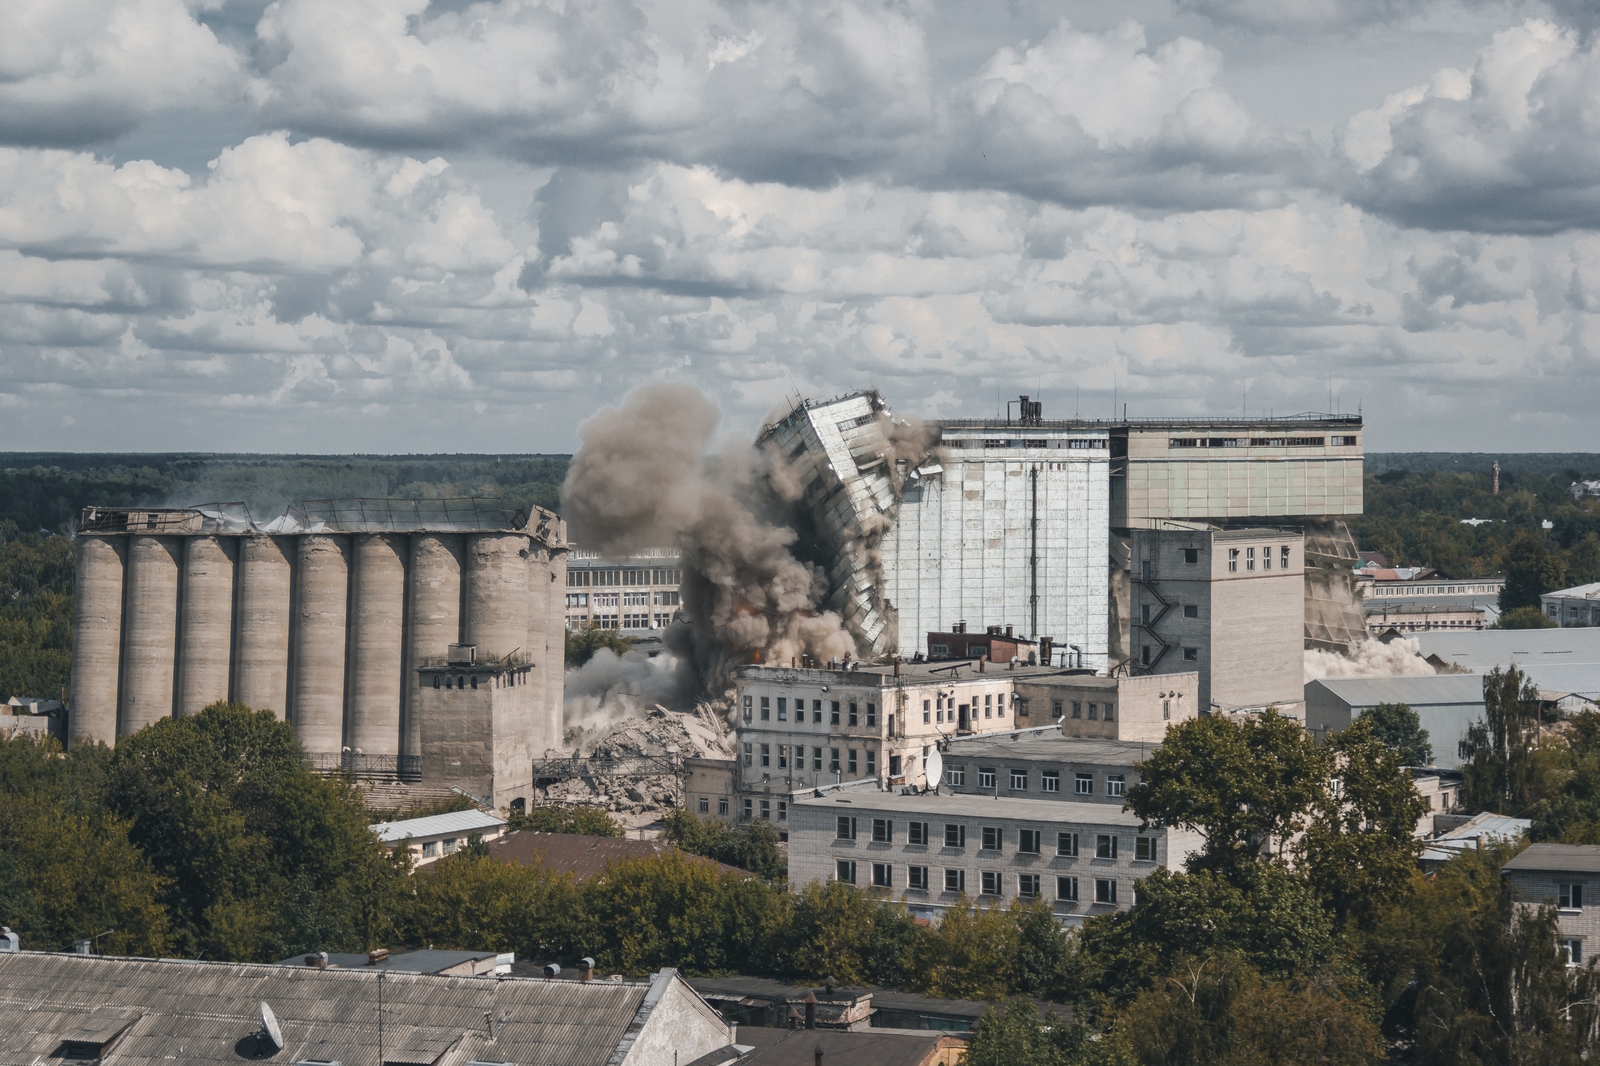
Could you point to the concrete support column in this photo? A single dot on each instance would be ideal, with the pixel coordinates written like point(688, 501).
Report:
point(323, 575)
point(97, 639)
point(150, 632)
point(205, 651)
point(377, 645)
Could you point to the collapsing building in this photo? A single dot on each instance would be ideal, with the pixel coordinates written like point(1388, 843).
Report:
point(416, 640)
point(983, 520)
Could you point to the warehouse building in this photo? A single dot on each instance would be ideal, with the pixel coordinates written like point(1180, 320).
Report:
point(418, 640)
point(1446, 705)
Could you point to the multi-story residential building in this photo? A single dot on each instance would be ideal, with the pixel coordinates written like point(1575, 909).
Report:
point(1567, 875)
point(1228, 605)
point(935, 849)
point(638, 592)
point(1138, 708)
point(801, 728)
point(1042, 764)
point(1578, 606)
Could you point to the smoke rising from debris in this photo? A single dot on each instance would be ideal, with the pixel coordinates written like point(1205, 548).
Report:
point(1401, 657)
point(646, 475)
point(610, 688)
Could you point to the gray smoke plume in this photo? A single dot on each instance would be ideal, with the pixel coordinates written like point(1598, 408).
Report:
point(1401, 657)
point(645, 475)
point(610, 688)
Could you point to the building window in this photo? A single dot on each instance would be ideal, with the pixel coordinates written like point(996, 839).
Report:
point(991, 838)
point(1283, 557)
point(1191, 610)
point(1050, 781)
point(1067, 845)
point(846, 829)
point(955, 775)
point(1105, 846)
point(705, 804)
point(882, 875)
point(834, 718)
point(1028, 841)
point(882, 831)
point(1019, 780)
point(985, 777)
point(955, 836)
point(1572, 951)
point(955, 880)
point(991, 882)
point(851, 755)
point(783, 709)
point(766, 810)
point(1249, 558)
point(430, 849)
point(816, 710)
point(1191, 555)
point(1233, 560)
point(1077, 709)
point(927, 711)
point(1266, 558)
point(748, 808)
point(1144, 614)
point(845, 871)
point(988, 705)
point(766, 708)
point(1144, 849)
point(1028, 886)
point(853, 715)
point(783, 810)
point(747, 758)
point(917, 833)
point(894, 765)
point(816, 758)
point(917, 878)
point(435, 680)
point(783, 756)
point(1569, 897)
point(1083, 784)
point(766, 755)
point(1166, 709)
point(1055, 708)
point(872, 714)
point(1067, 889)
point(833, 760)
point(1114, 783)
point(1191, 655)
point(872, 762)
point(722, 806)
point(1105, 890)
point(1111, 711)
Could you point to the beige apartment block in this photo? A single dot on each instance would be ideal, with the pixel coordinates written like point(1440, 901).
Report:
point(1568, 876)
point(1227, 605)
point(1138, 708)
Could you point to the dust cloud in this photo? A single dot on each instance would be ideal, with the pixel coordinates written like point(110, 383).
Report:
point(648, 473)
point(1401, 657)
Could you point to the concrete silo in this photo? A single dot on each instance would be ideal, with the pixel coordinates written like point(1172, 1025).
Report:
point(206, 622)
point(322, 582)
point(149, 631)
point(261, 632)
point(97, 639)
point(377, 643)
point(435, 617)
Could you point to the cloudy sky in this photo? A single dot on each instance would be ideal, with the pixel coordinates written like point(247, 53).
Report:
point(395, 225)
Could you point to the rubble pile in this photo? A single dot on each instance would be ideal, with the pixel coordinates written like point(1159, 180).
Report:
point(633, 769)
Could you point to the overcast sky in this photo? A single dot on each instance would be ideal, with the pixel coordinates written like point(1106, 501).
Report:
point(390, 225)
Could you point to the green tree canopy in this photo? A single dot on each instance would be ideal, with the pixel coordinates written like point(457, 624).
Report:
point(1531, 570)
point(1397, 726)
point(583, 643)
point(752, 847)
point(1524, 618)
point(1501, 770)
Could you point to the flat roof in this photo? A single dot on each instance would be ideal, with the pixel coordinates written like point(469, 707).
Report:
point(958, 805)
point(434, 824)
point(1577, 592)
point(1051, 745)
point(1562, 858)
point(879, 674)
point(1485, 649)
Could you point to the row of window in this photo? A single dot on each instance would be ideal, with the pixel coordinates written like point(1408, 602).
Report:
point(669, 575)
point(461, 681)
point(837, 712)
point(624, 599)
point(797, 753)
point(1029, 841)
point(944, 709)
point(1049, 780)
point(1250, 558)
point(1072, 443)
point(1260, 442)
point(626, 621)
point(991, 882)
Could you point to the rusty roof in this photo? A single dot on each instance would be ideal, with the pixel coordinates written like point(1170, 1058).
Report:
point(157, 1011)
point(585, 856)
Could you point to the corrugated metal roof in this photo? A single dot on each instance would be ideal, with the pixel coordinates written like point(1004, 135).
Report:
point(1560, 858)
point(1577, 592)
point(1467, 836)
point(427, 960)
point(205, 1012)
point(435, 824)
point(1424, 691)
point(1482, 650)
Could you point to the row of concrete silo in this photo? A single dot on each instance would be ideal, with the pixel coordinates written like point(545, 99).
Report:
point(325, 629)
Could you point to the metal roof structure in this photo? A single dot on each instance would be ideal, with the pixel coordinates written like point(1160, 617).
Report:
point(148, 1012)
point(1469, 836)
point(428, 960)
point(1483, 650)
point(868, 1047)
point(473, 821)
point(1426, 690)
point(966, 805)
point(1048, 743)
point(1558, 858)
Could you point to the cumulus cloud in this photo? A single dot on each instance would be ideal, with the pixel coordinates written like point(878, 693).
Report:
point(1286, 15)
point(1511, 145)
point(73, 72)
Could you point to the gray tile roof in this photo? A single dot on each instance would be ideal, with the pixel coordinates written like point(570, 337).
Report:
point(969, 806)
point(200, 1012)
point(1558, 858)
point(473, 821)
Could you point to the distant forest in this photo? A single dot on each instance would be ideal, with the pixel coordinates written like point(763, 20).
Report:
point(1415, 507)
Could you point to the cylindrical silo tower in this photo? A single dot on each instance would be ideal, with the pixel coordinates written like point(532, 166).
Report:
point(97, 639)
point(261, 634)
point(377, 644)
point(496, 598)
point(149, 631)
point(205, 646)
point(323, 575)
point(435, 619)
point(555, 630)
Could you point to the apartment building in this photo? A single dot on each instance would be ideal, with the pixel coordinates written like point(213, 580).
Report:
point(935, 849)
point(1226, 604)
point(1567, 875)
point(1042, 764)
point(1127, 708)
point(635, 592)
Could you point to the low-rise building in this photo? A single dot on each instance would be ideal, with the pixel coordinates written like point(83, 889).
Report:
point(1387, 619)
point(636, 593)
point(935, 849)
point(1568, 876)
point(1454, 834)
point(998, 644)
point(1446, 705)
point(1139, 708)
point(1044, 764)
point(1577, 606)
point(437, 835)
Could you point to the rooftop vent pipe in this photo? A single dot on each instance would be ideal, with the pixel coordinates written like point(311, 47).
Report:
point(585, 969)
point(811, 1014)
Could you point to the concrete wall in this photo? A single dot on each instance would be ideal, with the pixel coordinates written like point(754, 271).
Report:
point(1534, 888)
point(1143, 708)
point(97, 639)
point(680, 1028)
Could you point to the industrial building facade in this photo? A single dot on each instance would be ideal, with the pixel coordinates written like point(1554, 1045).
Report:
point(340, 619)
point(634, 592)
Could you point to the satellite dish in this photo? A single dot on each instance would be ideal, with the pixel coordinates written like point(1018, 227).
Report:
point(270, 1028)
point(933, 767)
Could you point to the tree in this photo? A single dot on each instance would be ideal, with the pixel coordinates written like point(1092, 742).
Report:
point(1500, 771)
point(583, 643)
point(1244, 786)
point(752, 847)
point(1531, 571)
point(1524, 618)
point(1583, 567)
point(1016, 1035)
point(1359, 850)
point(1397, 726)
point(585, 821)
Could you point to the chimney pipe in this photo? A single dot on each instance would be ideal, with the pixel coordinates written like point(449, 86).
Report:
point(811, 1014)
point(585, 969)
point(1008, 632)
point(897, 666)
